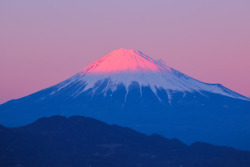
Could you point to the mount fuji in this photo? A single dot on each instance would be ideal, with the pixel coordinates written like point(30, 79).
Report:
point(128, 88)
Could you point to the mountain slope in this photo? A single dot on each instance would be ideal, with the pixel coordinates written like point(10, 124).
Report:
point(127, 66)
point(80, 141)
point(130, 89)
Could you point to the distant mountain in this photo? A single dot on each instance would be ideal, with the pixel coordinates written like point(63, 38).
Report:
point(80, 141)
point(130, 89)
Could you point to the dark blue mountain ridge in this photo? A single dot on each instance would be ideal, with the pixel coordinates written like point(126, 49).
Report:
point(81, 141)
point(153, 98)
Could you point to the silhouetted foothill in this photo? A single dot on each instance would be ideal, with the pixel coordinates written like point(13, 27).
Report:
point(83, 142)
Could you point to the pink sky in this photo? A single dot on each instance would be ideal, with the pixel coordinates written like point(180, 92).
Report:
point(45, 42)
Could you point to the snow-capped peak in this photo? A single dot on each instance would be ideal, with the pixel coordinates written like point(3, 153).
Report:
point(127, 66)
point(123, 60)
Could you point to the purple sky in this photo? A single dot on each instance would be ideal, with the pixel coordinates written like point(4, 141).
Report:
point(45, 42)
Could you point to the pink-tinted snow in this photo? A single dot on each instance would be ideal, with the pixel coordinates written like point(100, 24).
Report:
point(123, 60)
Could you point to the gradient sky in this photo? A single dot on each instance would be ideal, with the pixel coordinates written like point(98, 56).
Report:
point(45, 42)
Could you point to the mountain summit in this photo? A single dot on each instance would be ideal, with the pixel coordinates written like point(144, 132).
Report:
point(128, 88)
point(123, 61)
point(127, 66)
